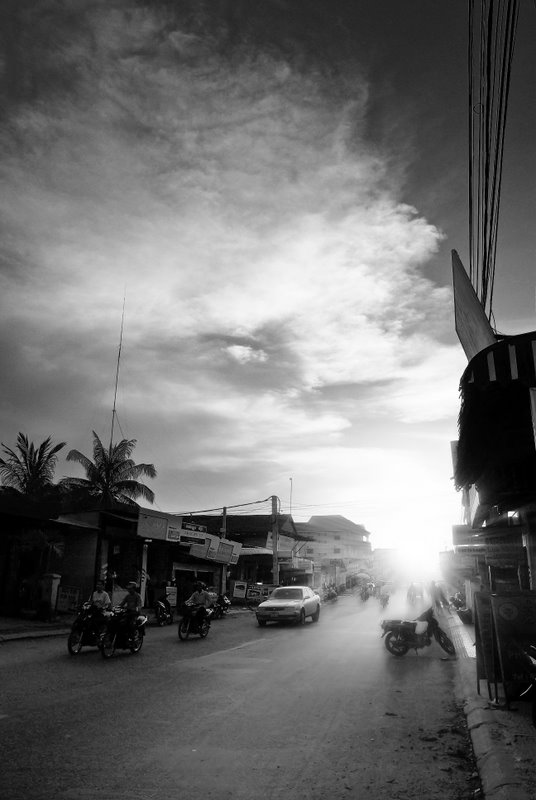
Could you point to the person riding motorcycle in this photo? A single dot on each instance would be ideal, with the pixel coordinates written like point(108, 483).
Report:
point(201, 599)
point(100, 600)
point(132, 603)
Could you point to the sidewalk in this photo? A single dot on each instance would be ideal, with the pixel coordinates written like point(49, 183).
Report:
point(504, 739)
point(12, 628)
point(18, 628)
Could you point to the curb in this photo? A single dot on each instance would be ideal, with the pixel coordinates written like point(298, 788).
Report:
point(8, 637)
point(495, 767)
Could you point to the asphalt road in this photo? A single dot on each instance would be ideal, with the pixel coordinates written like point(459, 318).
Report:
point(320, 711)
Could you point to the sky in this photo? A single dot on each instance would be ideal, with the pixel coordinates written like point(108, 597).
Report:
point(271, 191)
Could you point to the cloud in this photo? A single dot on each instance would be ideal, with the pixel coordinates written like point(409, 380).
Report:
point(260, 239)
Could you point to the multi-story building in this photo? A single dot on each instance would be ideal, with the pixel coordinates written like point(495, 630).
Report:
point(339, 549)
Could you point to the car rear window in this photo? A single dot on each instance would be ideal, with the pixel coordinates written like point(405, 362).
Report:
point(287, 594)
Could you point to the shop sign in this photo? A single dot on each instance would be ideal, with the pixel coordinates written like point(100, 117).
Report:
point(173, 535)
point(193, 526)
point(68, 598)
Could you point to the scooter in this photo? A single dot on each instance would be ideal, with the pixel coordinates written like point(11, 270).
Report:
point(221, 607)
point(163, 613)
point(191, 622)
point(87, 629)
point(401, 635)
point(120, 636)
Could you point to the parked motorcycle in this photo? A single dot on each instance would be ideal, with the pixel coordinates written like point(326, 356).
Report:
point(120, 636)
point(221, 607)
point(163, 613)
point(330, 594)
point(457, 601)
point(87, 629)
point(191, 622)
point(401, 635)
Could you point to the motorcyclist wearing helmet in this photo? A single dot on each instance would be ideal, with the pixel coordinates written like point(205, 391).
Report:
point(201, 599)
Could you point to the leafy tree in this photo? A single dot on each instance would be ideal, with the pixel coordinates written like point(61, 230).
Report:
point(29, 470)
point(112, 475)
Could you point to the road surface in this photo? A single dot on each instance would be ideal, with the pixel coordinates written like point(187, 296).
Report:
point(319, 711)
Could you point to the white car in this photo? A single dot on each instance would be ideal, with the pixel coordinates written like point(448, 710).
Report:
point(289, 604)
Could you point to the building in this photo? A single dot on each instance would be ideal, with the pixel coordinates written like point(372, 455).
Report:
point(339, 548)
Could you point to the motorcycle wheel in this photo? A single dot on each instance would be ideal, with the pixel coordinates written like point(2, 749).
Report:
point(160, 619)
point(184, 629)
point(444, 642)
point(204, 629)
point(137, 643)
point(108, 645)
point(395, 644)
point(74, 642)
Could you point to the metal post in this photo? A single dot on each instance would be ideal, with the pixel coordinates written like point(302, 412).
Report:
point(275, 541)
point(143, 581)
point(223, 531)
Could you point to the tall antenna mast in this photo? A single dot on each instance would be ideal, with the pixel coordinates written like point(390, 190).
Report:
point(117, 370)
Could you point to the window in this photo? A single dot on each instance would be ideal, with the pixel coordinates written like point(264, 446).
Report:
point(310, 550)
point(336, 549)
point(337, 538)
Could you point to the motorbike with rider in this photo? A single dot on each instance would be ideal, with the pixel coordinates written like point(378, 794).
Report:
point(196, 613)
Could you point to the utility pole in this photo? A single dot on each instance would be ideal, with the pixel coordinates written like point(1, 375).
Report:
point(290, 506)
point(223, 531)
point(275, 541)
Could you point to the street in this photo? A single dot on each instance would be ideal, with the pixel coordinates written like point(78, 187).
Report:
point(319, 711)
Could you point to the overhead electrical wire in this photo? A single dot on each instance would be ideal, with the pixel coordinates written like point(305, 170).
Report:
point(490, 57)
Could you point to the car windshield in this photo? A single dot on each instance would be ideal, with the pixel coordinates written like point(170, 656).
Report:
point(286, 594)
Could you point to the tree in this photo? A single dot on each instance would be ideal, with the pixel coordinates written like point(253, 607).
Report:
point(29, 470)
point(112, 475)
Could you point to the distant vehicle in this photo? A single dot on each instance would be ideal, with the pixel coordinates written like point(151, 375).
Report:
point(289, 604)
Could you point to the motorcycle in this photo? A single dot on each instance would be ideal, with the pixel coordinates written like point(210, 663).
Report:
point(163, 613)
point(87, 629)
point(330, 594)
point(120, 636)
point(401, 635)
point(191, 622)
point(221, 607)
point(456, 601)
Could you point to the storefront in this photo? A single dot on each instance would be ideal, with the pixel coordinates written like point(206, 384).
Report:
point(177, 552)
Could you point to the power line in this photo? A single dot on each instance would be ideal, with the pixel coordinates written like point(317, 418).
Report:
point(489, 87)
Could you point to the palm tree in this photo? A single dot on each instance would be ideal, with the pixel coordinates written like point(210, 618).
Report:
point(29, 470)
point(112, 475)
